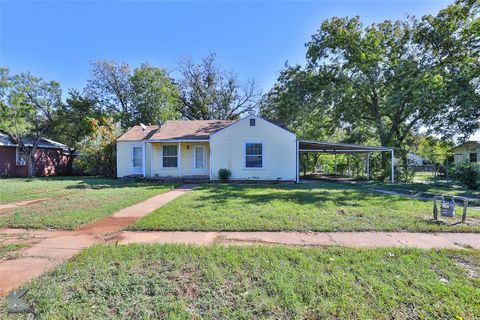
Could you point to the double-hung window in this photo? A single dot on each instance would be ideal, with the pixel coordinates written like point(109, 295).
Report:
point(253, 155)
point(170, 156)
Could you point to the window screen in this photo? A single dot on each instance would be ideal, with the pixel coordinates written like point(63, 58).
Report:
point(137, 157)
point(253, 155)
point(170, 158)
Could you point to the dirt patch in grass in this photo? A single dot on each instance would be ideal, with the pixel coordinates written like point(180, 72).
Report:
point(469, 265)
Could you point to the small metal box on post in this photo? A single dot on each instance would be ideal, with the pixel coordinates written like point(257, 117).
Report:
point(447, 208)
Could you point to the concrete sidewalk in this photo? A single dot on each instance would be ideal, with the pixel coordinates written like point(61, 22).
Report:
point(346, 239)
point(54, 247)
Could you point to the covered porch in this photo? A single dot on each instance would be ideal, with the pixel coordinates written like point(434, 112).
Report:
point(176, 159)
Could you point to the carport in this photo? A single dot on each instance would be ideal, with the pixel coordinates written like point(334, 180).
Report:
point(342, 148)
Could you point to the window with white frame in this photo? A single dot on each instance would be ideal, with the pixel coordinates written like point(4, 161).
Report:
point(169, 156)
point(253, 155)
point(21, 157)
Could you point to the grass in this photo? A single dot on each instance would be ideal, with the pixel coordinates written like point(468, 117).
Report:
point(304, 207)
point(21, 189)
point(8, 250)
point(428, 189)
point(259, 282)
point(75, 201)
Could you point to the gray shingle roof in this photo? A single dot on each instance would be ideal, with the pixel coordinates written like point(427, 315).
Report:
point(5, 140)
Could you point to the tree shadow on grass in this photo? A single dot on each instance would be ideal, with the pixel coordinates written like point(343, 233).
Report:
point(298, 194)
point(426, 189)
point(111, 183)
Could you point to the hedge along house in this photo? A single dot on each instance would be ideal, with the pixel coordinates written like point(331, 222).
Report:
point(252, 148)
point(51, 157)
point(468, 152)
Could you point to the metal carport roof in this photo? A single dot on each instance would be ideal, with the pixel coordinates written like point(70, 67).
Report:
point(335, 148)
point(330, 147)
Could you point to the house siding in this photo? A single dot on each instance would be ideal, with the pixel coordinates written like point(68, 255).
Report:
point(8, 165)
point(462, 153)
point(124, 157)
point(48, 162)
point(279, 151)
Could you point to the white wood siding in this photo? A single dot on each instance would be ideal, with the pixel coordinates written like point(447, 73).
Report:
point(279, 151)
point(124, 157)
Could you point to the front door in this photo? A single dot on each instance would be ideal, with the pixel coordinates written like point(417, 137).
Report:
point(199, 160)
point(137, 160)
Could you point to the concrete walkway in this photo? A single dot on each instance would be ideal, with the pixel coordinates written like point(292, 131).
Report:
point(346, 239)
point(54, 247)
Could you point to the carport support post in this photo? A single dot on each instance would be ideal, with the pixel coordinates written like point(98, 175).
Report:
point(368, 166)
point(393, 166)
point(335, 170)
point(297, 176)
point(349, 167)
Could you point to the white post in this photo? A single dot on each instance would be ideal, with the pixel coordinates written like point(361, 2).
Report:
point(349, 167)
point(368, 166)
point(297, 175)
point(179, 159)
point(144, 158)
point(393, 166)
point(335, 171)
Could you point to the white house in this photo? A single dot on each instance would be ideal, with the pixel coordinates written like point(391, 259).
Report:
point(252, 148)
point(467, 152)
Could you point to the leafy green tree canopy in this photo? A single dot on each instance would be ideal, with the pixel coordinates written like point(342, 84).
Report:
point(387, 79)
point(146, 94)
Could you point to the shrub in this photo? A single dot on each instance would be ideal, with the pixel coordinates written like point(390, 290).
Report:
point(224, 174)
point(468, 174)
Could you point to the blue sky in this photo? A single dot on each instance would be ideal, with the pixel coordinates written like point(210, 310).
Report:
point(58, 40)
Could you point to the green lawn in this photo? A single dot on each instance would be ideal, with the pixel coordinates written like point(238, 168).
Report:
point(76, 201)
point(259, 282)
point(20, 189)
point(428, 189)
point(316, 207)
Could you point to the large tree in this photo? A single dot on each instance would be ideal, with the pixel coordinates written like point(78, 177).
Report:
point(27, 104)
point(72, 122)
point(385, 80)
point(452, 41)
point(155, 98)
point(207, 92)
point(146, 94)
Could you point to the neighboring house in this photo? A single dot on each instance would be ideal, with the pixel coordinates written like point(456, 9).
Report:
point(414, 159)
point(467, 152)
point(252, 148)
point(51, 157)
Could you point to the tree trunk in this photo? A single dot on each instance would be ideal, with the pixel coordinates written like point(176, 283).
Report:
point(31, 166)
point(69, 167)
